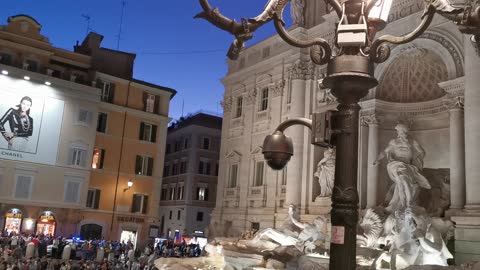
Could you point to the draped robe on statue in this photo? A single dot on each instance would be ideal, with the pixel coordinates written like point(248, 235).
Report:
point(405, 161)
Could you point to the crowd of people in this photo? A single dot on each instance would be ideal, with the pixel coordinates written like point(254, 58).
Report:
point(51, 253)
point(169, 248)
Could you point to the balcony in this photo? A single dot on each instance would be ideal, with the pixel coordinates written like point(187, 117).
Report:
point(257, 192)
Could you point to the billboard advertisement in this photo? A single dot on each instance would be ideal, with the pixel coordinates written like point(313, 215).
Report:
point(30, 122)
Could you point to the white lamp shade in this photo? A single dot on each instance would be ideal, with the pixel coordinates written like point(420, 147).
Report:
point(130, 183)
point(380, 10)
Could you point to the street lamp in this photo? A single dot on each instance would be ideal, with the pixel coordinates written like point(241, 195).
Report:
point(129, 185)
point(350, 75)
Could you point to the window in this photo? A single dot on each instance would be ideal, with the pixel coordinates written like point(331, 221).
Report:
point(172, 193)
point(166, 170)
point(84, 117)
point(164, 194)
point(139, 203)
point(204, 167)
point(144, 165)
point(30, 65)
point(266, 52)
point(233, 176)
point(148, 132)
point(202, 194)
point(186, 143)
point(168, 149)
point(175, 169)
point(5, 58)
point(102, 122)
point(264, 100)
point(23, 186)
point(97, 160)
point(199, 216)
point(176, 146)
point(179, 213)
point(206, 143)
point(108, 90)
point(72, 189)
point(150, 102)
point(180, 193)
point(183, 166)
point(93, 198)
point(216, 169)
point(255, 226)
point(289, 93)
point(238, 111)
point(170, 216)
point(259, 174)
point(77, 157)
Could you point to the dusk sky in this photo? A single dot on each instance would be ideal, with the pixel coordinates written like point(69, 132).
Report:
point(172, 48)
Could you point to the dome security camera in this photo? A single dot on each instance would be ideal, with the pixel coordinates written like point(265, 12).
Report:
point(277, 150)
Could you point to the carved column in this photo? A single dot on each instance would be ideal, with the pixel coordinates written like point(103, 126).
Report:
point(372, 171)
point(457, 153)
point(472, 126)
point(298, 73)
point(363, 161)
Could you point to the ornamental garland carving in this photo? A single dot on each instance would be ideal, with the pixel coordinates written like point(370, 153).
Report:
point(456, 102)
point(371, 120)
point(277, 88)
point(250, 97)
point(227, 104)
point(302, 71)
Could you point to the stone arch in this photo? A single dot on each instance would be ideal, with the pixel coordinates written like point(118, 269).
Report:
point(413, 76)
point(93, 221)
point(437, 42)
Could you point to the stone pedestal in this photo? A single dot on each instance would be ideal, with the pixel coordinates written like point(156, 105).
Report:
point(467, 238)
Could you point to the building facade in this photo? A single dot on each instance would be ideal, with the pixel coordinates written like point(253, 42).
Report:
point(190, 175)
point(430, 83)
point(90, 128)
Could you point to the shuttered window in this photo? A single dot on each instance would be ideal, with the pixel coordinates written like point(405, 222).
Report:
point(139, 203)
point(144, 165)
point(148, 132)
point(23, 186)
point(93, 198)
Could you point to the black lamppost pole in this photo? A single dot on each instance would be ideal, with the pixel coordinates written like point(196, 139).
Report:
point(350, 74)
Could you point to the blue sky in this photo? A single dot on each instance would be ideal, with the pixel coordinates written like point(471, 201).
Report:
point(172, 48)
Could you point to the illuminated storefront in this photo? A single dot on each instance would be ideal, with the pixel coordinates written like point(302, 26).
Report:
point(13, 221)
point(46, 223)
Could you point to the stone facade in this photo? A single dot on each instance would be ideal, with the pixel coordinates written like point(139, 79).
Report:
point(428, 84)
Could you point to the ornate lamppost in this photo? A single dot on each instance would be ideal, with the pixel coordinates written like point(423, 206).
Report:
point(350, 74)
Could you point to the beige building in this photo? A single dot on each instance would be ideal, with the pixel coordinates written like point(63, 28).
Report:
point(429, 83)
point(90, 128)
point(190, 175)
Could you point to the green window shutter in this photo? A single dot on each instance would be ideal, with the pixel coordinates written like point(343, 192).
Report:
point(142, 130)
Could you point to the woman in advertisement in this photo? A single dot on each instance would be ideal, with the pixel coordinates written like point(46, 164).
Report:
point(21, 125)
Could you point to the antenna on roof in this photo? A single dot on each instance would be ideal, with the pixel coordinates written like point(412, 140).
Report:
point(183, 104)
point(87, 18)
point(120, 26)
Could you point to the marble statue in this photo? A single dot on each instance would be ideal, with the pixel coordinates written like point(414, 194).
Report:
point(303, 241)
point(405, 163)
point(296, 11)
point(412, 239)
point(371, 226)
point(326, 172)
